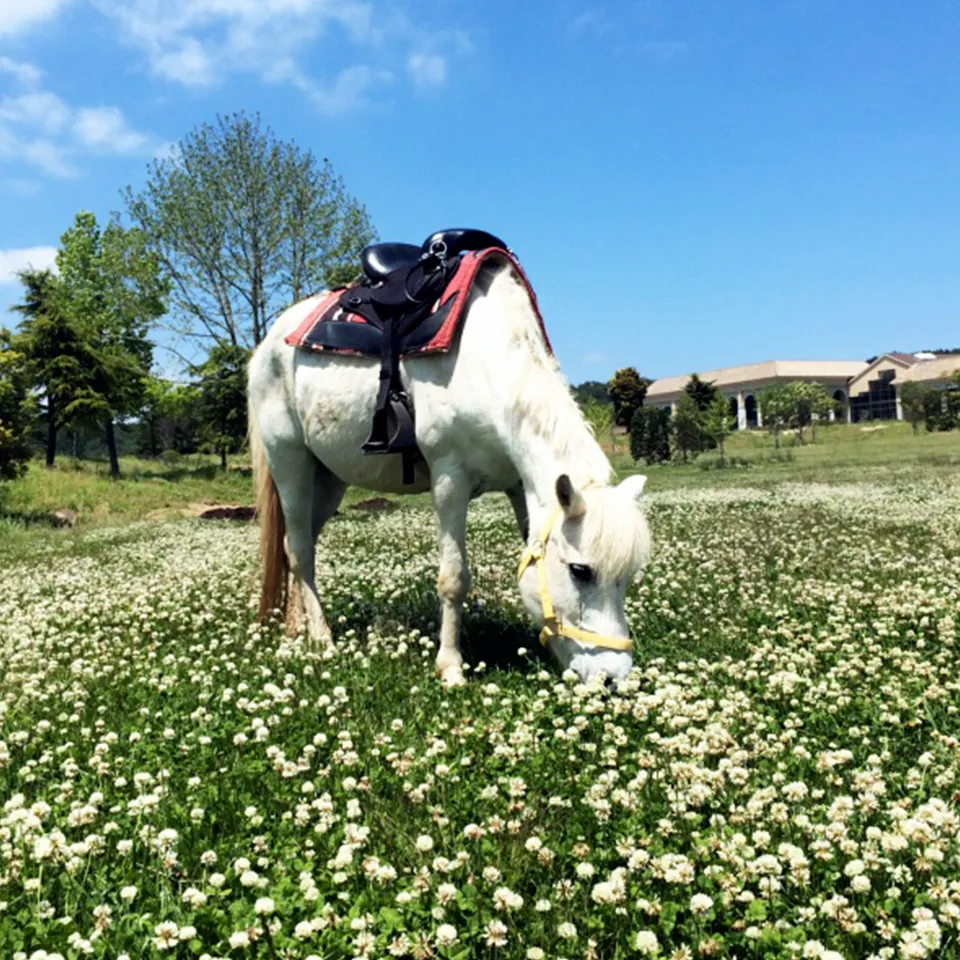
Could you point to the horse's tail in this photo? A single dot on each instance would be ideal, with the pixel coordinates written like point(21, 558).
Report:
point(274, 565)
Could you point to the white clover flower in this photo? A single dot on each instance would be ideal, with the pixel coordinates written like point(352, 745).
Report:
point(264, 906)
point(567, 931)
point(239, 939)
point(645, 942)
point(446, 935)
point(167, 935)
point(424, 843)
point(128, 893)
point(700, 903)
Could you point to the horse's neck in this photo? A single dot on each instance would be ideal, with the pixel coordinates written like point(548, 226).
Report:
point(543, 429)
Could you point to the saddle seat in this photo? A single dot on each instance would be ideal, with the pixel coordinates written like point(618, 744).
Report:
point(379, 260)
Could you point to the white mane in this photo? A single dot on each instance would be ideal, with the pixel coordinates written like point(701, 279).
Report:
point(540, 397)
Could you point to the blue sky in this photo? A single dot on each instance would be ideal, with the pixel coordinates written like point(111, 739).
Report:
point(688, 184)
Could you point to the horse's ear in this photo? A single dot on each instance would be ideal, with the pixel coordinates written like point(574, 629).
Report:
point(633, 485)
point(570, 498)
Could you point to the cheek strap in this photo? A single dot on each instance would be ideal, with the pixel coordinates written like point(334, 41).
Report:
point(536, 553)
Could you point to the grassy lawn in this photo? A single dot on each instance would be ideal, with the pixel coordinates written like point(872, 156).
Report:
point(779, 778)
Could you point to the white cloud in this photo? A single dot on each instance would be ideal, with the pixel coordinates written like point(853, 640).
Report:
point(195, 42)
point(351, 89)
point(595, 358)
point(25, 74)
point(592, 21)
point(49, 157)
point(19, 15)
point(199, 43)
point(38, 129)
point(13, 261)
point(104, 128)
point(427, 70)
point(21, 187)
point(41, 110)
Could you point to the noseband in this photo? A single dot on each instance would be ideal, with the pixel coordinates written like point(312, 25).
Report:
point(552, 627)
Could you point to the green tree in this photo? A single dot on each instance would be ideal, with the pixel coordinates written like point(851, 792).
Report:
point(776, 406)
point(917, 400)
point(222, 408)
point(701, 392)
point(650, 435)
point(687, 427)
point(246, 224)
point(809, 402)
point(112, 291)
point(591, 390)
point(627, 390)
point(601, 419)
point(55, 357)
point(718, 423)
point(16, 410)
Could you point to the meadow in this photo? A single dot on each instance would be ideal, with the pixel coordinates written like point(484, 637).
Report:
point(778, 779)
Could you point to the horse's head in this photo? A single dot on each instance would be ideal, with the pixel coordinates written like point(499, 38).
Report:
point(575, 574)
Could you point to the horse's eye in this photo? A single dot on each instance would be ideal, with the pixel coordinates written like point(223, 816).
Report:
point(581, 572)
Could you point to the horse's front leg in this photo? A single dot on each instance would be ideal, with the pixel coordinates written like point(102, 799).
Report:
point(451, 495)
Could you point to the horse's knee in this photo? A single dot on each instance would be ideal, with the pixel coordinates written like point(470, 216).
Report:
point(453, 583)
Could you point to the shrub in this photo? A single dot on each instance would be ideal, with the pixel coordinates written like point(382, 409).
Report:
point(650, 435)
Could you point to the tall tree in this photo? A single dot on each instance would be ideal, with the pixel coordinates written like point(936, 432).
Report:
point(627, 390)
point(601, 419)
point(718, 423)
point(16, 410)
point(51, 346)
point(917, 400)
point(701, 392)
point(112, 291)
point(650, 434)
point(591, 390)
point(776, 406)
point(687, 427)
point(222, 407)
point(809, 402)
point(246, 224)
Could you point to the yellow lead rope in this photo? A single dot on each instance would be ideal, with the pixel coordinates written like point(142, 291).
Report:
point(536, 553)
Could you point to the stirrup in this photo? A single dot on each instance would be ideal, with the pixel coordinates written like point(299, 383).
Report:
point(403, 436)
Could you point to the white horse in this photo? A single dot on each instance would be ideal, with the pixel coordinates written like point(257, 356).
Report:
point(492, 414)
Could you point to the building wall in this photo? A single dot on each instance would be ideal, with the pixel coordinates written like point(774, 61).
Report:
point(742, 392)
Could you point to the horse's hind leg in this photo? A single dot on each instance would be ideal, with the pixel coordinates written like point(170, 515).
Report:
point(451, 496)
point(296, 474)
point(328, 491)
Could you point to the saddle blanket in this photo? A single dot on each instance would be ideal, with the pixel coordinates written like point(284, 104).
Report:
point(331, 328)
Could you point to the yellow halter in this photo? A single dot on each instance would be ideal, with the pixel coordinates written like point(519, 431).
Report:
point(551, 626)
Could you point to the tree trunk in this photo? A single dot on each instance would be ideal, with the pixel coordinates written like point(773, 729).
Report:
point(51, 433)
point(153, 438)
point(223, 458)
point(112, 447)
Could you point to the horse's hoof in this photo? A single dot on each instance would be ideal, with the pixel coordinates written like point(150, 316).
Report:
point(453, 677)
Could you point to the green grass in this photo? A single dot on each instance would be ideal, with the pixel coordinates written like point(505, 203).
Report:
point(778, 778)
point(839, 453)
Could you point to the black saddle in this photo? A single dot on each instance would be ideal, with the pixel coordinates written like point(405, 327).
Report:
point(401, 284)
point(381, 259)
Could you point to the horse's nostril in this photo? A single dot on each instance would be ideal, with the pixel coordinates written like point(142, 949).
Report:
point(609, 682)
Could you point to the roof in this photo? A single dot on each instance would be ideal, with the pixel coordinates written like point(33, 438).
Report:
point(916, 366)
point(940, 368)
point(769, 370)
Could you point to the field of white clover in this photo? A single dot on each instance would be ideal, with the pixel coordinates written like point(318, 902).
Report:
point(779, 779)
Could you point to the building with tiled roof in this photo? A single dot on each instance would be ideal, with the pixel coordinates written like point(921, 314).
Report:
point(860, 390)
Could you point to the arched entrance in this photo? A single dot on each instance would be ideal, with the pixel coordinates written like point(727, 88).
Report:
point(750, 405)
point(733, 412)
point(840, 406)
